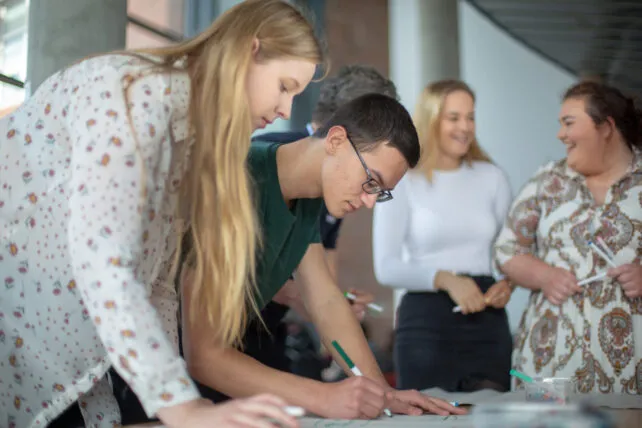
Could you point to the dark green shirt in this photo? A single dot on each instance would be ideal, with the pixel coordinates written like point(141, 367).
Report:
point(287, 232)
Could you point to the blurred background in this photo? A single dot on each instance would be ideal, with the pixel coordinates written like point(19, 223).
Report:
point(518, 55)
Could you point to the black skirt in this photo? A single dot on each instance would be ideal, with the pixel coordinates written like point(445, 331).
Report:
point(435, 347)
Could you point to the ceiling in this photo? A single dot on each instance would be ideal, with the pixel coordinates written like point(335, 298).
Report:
point(586, 37)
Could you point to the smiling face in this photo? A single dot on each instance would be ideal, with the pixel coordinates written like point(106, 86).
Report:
point(457, 125)
point(271, 87)
point(343, 175)
point(585, 142)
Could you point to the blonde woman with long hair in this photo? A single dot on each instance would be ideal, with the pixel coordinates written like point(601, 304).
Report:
point(95, 166)
point(434, 241)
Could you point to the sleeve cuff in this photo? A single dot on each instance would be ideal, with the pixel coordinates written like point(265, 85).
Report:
point(164, 387)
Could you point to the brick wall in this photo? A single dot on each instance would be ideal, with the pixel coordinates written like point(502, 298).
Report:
point(357, 32)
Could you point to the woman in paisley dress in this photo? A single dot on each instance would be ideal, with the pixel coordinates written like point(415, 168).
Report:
point(584, 315)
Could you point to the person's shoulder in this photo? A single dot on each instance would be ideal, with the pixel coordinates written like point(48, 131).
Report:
point(555, 167)
point(115, 63)
point(413, 180)
point(488, 169)
point(556, 170)
point(281, 137)
point(484, 167)
point(262, 149)
point(262, 158)
point(126, 69)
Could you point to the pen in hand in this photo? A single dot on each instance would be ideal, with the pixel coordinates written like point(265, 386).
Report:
point(372, 306)
point(354, 369)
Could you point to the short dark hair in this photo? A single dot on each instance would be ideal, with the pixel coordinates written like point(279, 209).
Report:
point(372, 119)
point(603, 101)
point(351, 82)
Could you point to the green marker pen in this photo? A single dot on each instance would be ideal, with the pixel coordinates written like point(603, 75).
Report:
point(354, 369)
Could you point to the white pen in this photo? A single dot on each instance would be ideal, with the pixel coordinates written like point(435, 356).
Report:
point(372, 306)
point(602, 254)
point(458, 308)
point(606, 248)
point(592, 278)
point(294, 411)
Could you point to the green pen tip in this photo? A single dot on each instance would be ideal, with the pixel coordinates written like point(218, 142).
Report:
point(521, 376)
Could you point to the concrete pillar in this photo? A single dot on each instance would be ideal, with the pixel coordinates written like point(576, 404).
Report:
point(199, 14)
point(424, 44)
point(63, 31)
point(424, 47)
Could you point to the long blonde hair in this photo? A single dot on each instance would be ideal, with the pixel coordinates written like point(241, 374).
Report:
point(216, 193)
point(427, 119)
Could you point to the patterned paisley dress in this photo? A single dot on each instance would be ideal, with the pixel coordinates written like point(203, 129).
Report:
point(596, 335)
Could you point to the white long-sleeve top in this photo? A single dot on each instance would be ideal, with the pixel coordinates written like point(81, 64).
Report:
point(447, 224)
point(84, 256)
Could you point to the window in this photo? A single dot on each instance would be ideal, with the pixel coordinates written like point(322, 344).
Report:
point(154, 23)
point(13, 53)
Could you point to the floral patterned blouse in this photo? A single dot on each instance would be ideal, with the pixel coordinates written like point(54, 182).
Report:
point(596, 335)
point(86, 242)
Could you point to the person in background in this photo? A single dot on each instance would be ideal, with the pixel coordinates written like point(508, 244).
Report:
point(266, 341)
point(95, 166)
point(435, 240)
point(573, 237)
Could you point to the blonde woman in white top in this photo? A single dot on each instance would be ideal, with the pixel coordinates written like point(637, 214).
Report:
point(434, 241)
point(94, 167)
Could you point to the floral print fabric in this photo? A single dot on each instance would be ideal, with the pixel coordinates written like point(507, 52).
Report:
point(89, 169)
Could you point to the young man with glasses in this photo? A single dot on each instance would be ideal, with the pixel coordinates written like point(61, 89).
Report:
point(354, 160)
point(350, 82)
point(265, 340)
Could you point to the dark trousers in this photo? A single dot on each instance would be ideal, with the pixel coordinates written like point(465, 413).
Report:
point(130, 408)
point(435, 347)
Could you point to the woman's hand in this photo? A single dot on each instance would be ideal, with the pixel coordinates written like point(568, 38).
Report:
point(498, 294)
point(630, 278)
point(360, 303)
point(253, 412)
point(463, 291)
point(558, 285)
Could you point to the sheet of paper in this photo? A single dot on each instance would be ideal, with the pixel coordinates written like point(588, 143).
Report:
point(426, 421)
point(613, 401)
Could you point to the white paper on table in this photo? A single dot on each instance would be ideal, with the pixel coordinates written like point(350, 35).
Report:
point(486, 396)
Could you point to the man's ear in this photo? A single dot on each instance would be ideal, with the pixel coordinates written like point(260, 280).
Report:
point(335, 139)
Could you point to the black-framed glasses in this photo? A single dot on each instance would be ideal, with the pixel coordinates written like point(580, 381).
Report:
point(371, 186)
